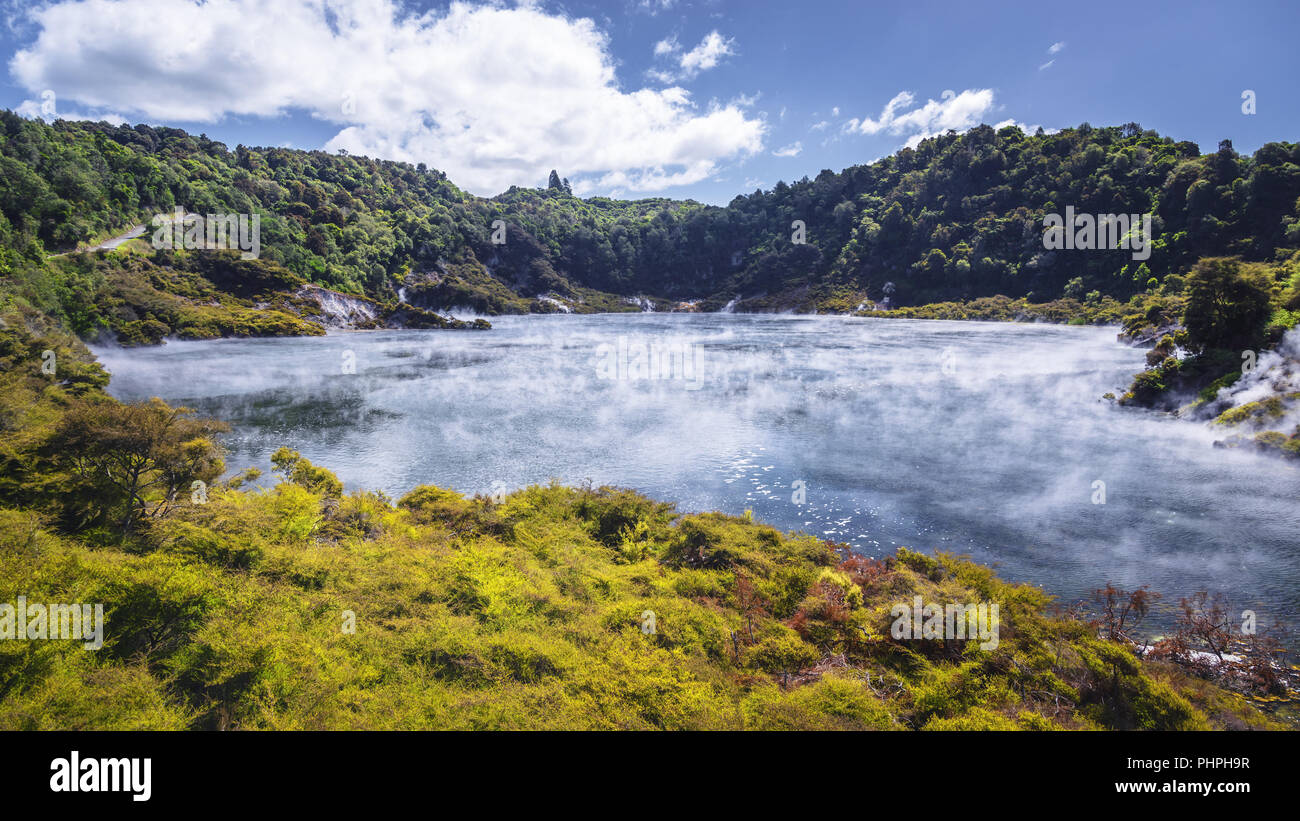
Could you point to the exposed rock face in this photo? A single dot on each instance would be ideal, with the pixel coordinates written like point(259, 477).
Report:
point(341, 311)
point(347, 312)
point(554, 305)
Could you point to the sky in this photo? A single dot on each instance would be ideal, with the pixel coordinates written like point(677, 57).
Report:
point(699, 99)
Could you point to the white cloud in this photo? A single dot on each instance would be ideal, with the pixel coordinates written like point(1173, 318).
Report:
point(648, 179)
point(791, 150)
point(711, 50)
point(668, 45)
point(835, 112)
point(821, 124)
point(957, 112)
point(494, 96)
point(1054, 48)
point(653, 7)
point(708, 53)
point(47, 109)
point(1028, 129)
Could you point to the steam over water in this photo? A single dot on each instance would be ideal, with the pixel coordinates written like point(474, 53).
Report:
point(974, 438)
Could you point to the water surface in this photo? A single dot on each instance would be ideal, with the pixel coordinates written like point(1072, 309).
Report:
point(981, 438)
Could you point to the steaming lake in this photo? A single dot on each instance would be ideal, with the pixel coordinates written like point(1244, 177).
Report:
point(976, 438)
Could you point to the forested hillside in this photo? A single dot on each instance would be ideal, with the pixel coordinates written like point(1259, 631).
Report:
point(960, 217)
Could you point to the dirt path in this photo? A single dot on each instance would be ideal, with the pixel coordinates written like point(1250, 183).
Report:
point(108, 245)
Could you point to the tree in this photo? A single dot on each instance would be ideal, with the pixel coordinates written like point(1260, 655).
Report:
point(1205, 619)
point(1121, 610)
point(1227, 304)
point(294, 468)
point(750, 603)
point(137, 459)
point(554, 181)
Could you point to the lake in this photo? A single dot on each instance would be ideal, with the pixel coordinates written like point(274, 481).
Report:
point(988, 439)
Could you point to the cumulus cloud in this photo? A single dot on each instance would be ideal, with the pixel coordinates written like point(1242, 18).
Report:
point(958, 112)
point(791, 150)
point(711, 51)
point(708, 53)
point(668, 45)
point(493, 96)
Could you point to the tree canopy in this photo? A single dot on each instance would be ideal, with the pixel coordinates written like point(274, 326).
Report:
point(957, 217)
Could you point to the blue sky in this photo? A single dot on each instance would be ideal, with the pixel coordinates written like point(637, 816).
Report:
point(651, 97)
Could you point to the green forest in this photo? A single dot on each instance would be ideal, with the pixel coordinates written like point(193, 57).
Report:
point(958, 218)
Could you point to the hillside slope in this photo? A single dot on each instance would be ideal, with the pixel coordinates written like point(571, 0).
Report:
point(959, 217)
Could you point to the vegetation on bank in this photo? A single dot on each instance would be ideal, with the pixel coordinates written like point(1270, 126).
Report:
point(1142, 313)
point(141, 299)
point(287, 603)
point(137, 296)
point(1234, 315)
